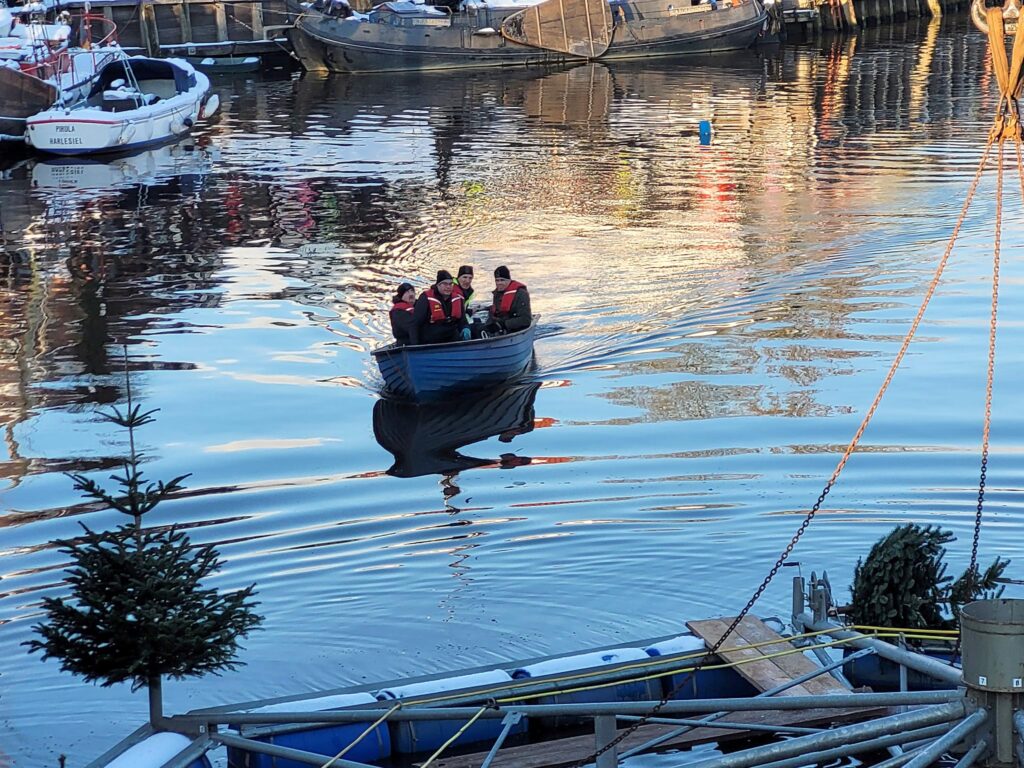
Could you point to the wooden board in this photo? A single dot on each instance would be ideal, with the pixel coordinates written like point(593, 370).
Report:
point(581, 28)
point(22, 95)
point(765, 673)
point(563, 752)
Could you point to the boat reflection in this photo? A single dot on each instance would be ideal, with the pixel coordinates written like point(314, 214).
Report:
point(425, 439)
point(96, 176)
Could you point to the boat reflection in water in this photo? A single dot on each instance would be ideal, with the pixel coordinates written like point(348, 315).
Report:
point(425, 438)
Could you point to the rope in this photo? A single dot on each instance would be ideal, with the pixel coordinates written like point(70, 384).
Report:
point(363, 735)
point(458, 733)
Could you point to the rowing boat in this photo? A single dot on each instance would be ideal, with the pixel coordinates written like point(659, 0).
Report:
point(434, 371)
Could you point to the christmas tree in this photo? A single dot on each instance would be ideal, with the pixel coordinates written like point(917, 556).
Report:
point(137, 610)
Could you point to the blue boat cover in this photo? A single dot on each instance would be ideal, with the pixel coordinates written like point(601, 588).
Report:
point(143, 69)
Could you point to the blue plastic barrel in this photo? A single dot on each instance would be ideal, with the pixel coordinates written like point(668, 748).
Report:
point(705, 131)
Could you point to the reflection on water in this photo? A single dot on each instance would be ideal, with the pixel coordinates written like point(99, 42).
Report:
point(425, 439)
point(716, 322)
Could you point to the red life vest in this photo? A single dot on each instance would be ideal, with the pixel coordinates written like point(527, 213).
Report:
point(437, 314)
point(400, 305)
point(506, 299)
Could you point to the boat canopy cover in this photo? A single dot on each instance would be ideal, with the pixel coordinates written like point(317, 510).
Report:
point(144, 69)
point(407, 8)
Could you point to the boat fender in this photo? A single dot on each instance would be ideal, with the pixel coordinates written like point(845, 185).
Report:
point(126, 134)
point(475, 680)
point(154, 751)
point(579, 661)
point(188, 122)
point(317, 704)
point(210, 105)
point(680, 644)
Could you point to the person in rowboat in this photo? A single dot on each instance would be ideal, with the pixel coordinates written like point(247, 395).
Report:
point(439, 315)
point(401, 312)
point(510, 311)
point(464, 286)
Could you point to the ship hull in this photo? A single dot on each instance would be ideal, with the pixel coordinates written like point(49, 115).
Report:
point(326, 44)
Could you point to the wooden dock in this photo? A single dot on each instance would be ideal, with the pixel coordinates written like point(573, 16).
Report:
point(197, 27)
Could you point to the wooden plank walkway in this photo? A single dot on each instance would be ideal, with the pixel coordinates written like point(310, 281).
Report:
point(764, 673)
point(568, 751)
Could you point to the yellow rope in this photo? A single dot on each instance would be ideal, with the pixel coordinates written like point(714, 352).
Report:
point(458, 733)
point(363, 735)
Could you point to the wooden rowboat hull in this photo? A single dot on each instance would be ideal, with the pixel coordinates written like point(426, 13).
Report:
point(435, 371)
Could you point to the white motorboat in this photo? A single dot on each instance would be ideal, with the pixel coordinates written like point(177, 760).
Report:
point(134, 103)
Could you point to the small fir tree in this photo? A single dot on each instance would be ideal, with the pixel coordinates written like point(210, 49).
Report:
point(137, 610)
point(903, 581)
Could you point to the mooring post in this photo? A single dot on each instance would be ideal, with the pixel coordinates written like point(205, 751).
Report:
point(604, 734)
point(799, 602)
point(993, 669)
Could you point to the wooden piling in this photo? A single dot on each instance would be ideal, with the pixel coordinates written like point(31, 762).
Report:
point(182, 17)
point(148, 30)
point(221, 17)
point(257, 21)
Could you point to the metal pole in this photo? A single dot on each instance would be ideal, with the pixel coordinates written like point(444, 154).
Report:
point(604, 734)
point(690, 706)
point(511, 719)
point(722, 724)
point(899, 760)
point(828, 755)
point(771, 692)
point(836, 672)
point(916, 661)
point(298, 755)
point(972, 755)
point(837, 737)
point(935, 750)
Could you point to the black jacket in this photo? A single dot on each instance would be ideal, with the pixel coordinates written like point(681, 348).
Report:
point(401, 322)
point(422, 331)
point(519, 315)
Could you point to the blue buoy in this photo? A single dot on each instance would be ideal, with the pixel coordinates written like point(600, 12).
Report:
point(705, 132)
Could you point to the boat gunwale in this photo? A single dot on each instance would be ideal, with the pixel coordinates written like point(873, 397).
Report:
point(519, 685)
point(395, 348)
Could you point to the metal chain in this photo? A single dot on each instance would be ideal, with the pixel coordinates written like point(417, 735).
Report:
point(972, 569)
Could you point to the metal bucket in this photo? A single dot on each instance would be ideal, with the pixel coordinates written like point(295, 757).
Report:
point(993, 645)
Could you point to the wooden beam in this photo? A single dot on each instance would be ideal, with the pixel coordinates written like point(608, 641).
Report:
point(257, 20)
point(148, 30)
point(763, 673)
point(221, 15)
point(183, 18)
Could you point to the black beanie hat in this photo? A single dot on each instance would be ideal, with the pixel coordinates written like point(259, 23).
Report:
point(443, 274)
point(402, 288)
point(465, 269)
point(502, 271)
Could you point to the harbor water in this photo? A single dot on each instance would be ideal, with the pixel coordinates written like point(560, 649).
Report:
point(716, 321)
